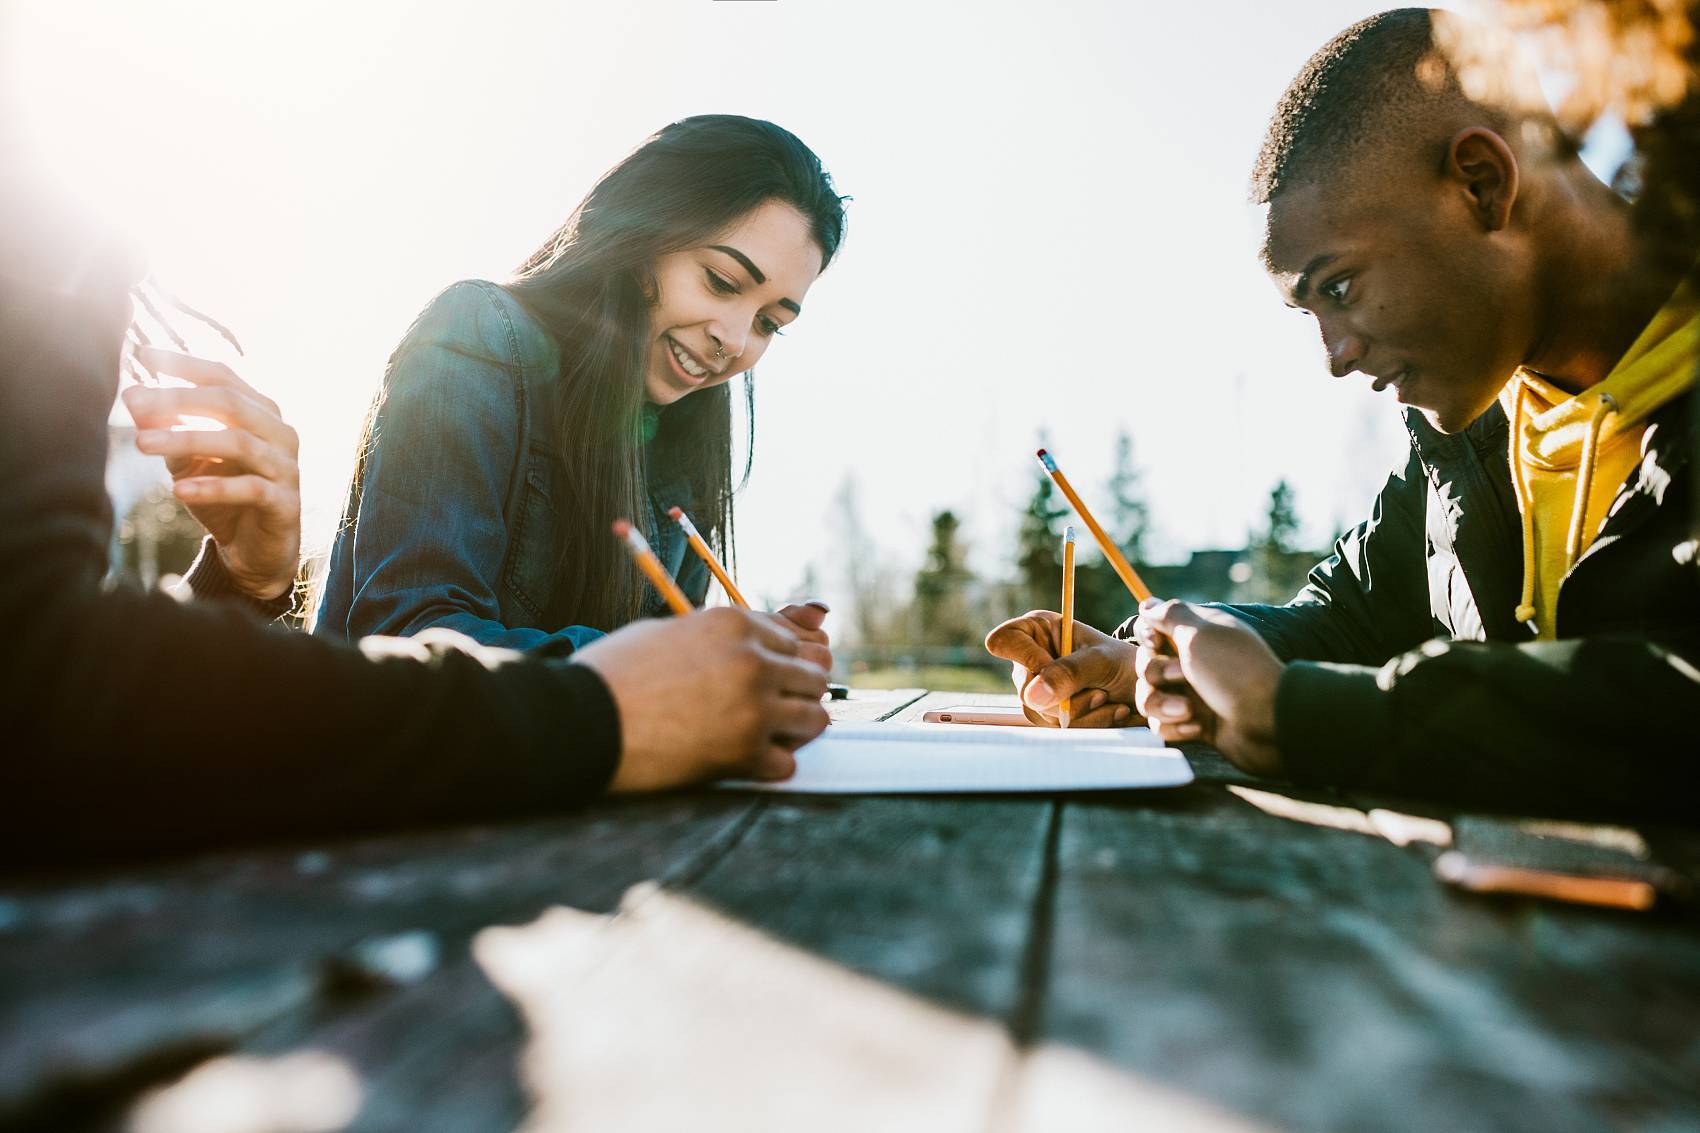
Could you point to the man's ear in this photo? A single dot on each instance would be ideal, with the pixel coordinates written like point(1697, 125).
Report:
point(1481, 165)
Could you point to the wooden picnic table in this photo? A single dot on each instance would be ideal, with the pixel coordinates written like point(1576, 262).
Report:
point(1165, 960)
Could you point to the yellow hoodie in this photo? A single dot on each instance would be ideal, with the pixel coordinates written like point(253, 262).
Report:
point(1570, 453)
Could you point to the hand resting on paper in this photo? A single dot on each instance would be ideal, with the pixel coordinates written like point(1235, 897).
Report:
point(1098, 674)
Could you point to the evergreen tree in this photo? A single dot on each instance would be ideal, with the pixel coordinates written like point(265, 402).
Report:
point(1038, 553)
point(942, 615)
point(1130, 518)
point(1278, 566)
point(1281, 524)
point(1100, 597)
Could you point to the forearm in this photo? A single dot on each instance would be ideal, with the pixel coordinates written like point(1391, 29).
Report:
point(1599, 724)
point(142, 723)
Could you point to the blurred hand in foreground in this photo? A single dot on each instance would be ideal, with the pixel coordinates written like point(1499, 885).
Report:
point(241, 482)
point(718, 693)
point(1098, 674)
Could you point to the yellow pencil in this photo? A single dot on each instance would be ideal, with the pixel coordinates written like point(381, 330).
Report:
point(651, 566)
point(1124, 570)
point(1067, 608)
point(700, 546)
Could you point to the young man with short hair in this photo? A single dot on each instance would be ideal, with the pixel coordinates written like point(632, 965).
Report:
point(1518, 621)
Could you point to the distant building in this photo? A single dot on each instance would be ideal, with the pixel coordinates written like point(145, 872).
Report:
point(1223, 575)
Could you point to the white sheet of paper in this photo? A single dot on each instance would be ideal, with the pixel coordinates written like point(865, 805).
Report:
point(893, 759)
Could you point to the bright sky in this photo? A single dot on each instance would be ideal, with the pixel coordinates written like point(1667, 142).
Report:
point(1048, 231)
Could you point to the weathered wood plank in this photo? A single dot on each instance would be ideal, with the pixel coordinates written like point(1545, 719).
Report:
point(1322, 979)
point(100, 975)
point(847, 964)
point(677, 1015)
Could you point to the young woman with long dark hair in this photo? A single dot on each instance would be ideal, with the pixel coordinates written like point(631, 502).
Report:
point(517, 422)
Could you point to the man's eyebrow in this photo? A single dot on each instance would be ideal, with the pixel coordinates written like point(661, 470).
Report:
point(791, 305)
point(1302, 288)
point(755, 272)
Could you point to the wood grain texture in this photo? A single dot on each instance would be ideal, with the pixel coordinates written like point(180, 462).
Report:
point(1321, 979)
point(99, 976)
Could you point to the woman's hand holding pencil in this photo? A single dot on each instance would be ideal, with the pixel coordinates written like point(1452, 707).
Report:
point(804, 619)
point(1097, 677)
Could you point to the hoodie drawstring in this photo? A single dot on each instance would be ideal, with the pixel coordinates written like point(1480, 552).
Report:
point(1585, 478)
point(1525, 508)
point(1579, 510)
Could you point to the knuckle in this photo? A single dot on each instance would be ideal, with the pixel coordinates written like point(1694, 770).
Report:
point(749, 725)
point(725, 619)
point(746, 669)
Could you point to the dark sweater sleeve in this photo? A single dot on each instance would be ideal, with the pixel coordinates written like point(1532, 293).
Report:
point(1367, 601)
point(137, 722)
point(207, 580)
point(1599, 724)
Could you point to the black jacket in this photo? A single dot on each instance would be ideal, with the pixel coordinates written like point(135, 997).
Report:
point(1413, 675)
point(136, 722)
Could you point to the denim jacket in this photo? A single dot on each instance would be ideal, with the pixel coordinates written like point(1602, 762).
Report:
point(453, 521)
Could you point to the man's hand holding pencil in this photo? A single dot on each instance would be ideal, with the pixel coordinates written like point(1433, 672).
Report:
point(1205, 675)
point(1067, 673)
point(1097, 674)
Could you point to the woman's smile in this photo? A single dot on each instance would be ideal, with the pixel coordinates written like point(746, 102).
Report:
point(685, 365)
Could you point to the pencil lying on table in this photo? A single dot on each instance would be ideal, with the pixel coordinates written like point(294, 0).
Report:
point(1067, 611)
point(700, 546)
point(1124, 569)
point(651, 566)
